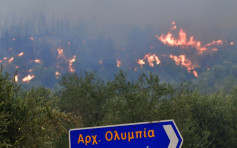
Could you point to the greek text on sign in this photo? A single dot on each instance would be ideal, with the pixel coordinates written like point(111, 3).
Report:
point(140, 135)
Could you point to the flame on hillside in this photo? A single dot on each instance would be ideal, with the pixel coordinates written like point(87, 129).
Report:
point(184, 42)
point(32, 38)
point(60, 53)
point(16, 78)
point(20, 54)
point(72, 60)
point(37, 61)
point(57, 74)
point(10, 60)
point(28, 78)
point(151, 58)
point(118, 63)
point(183, 61)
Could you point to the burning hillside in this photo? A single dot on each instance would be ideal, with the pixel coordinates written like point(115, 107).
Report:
point(182, 41)
point(49, 55)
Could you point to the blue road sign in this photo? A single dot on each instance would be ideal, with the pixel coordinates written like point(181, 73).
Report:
point(160, 134)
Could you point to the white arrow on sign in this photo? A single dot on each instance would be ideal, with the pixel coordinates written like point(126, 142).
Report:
point(172, 136)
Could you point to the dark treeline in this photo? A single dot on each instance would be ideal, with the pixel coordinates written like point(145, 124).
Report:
point(40, 117)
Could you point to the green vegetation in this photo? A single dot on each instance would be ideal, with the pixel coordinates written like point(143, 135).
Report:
point(40, 117)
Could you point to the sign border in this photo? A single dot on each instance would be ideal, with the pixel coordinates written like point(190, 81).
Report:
point(119, 125)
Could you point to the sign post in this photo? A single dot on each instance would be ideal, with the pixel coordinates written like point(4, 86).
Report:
point(160, 134)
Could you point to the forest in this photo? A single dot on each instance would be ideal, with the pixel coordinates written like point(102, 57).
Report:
point(41, 117)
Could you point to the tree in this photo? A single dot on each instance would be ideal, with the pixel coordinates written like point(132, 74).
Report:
point(8, 92)
point(84, 97)
point(30, 118)
point(38, 122)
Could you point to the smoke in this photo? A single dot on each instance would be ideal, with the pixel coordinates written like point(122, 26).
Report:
point(210, 16)
point(57, 36)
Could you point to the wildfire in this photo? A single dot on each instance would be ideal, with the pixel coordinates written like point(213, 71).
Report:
point(20, 54)
point(100, 62)
point(118, 63)
point(60, 53)
point(195, 73)
point(57, 74)
point(37, 61)
point(72, 60)
point(16, 78)
point(183, 61)
point(32, 38)
point(183, 42)
point(10, 60)
point(141, 62)
point(151, 58)
point(232, 43)
point(174, 26)
point(28, 78)
point(4, 58)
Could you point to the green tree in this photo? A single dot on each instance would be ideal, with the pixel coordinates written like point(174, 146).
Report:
point(30, 118)
point(8, 92)
point(84, 97)
point(135, 101)
point(38, 122)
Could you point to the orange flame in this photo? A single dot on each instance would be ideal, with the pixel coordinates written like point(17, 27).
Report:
point(4, 58)
point(16, 78)
point(232, 43)
point(28, 78)
point(17, 67)
point(118, 63)
point(30, 70)
point(20, 54)
point(57, 74)
point(10, 60)
point(141, 62)
point(0, 61)
point(60, 53)
point(174, 26)
point(183, 61)
point(37, 61)
point(151, 58)
point(184, 42)
point(72, 60)
point(32, 38)
point(195, 73)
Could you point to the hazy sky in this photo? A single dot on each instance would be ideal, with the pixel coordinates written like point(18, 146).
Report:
point(195, 15)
